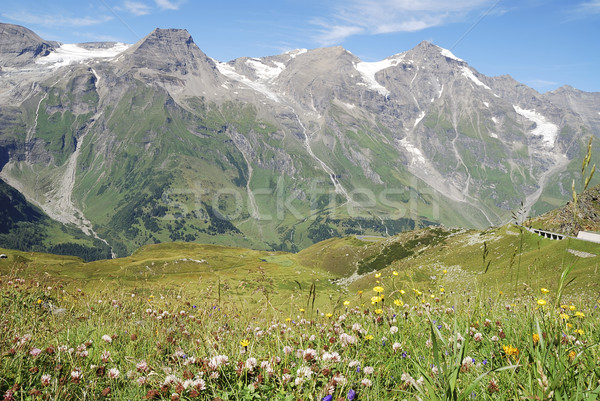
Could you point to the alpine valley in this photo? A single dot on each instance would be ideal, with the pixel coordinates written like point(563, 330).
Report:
point(156, 142)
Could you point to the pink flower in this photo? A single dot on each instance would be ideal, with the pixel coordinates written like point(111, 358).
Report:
point(35, 352)
point(105, 356)
point(107, 338)
point(76, 375)
point(46, 380)
point(142, 366)
point(366, 382)
point(114, 373)
point(368, 370)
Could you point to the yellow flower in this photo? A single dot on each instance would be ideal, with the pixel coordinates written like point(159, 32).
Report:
point(432, 296)
point(541, 302)
point(375, 300)
point(569, 325)
point(287, 319)
point(377, 281)
point(402, 292)
point(377, 275)
point(444, 271)
point(244, 343)
point(395, 273)
point(398, 302)
point(579, 314)
point(500, 292)
point(360, 292)
point(572, 307)
point(545, 290)
point(369, 337)
point(564, 316)
point(536, 338)
point(572, 355)
point(442, 290)
point(39, 301)
point(328, 315)
point(301, 310)
point(379, 311)
point(346, 303)
point(378, 289)
point(509, 350)
point(579, 331)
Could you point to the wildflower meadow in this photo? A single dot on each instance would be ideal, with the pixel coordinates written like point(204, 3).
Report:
point(387, 341)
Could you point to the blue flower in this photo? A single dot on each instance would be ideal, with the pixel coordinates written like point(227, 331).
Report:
point(404, 355)
point(328, 397)
point(351, 394)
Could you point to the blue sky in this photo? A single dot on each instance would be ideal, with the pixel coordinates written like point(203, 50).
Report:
point(541, 43)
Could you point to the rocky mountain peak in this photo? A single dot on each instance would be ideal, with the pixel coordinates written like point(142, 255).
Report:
point(19, 46)
point(168, 50)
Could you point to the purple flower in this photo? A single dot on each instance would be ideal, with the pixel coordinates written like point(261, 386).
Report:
point(404, 355)
point(351, 394)
point(328, 397)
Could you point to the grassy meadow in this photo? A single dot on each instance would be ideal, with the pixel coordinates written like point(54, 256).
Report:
point(500, 314)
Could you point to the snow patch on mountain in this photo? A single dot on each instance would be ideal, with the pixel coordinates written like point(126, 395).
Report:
point(418, 120)
point(263, 71)
point(230, 72)
point(547, 130)
point(368, 70)
point(73, 53)
point(447, 53)
point(417, 155)
point(469, 74)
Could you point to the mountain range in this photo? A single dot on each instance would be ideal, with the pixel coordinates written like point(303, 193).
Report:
point(156, 141)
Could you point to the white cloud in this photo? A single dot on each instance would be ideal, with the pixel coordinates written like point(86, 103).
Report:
point(589, 7)
point(168, 4)
point(372, 17)
point(136, 8)
point(56, 20)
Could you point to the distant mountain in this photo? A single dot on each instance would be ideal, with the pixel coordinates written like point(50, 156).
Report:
point(158, 142)
point(25, 227)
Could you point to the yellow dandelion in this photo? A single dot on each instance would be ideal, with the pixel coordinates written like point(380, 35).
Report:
point(579, 331)
point(378, 311)
point(541, 302)
point(509, 350)
point(375, 299)
point(536, 338)
point(402, 292)
point(432, 296)
point(572, 307)
point(444, 271)
point(564, 316)
point(442, 290)
point(572, 355)
point(579, 314)
point(377, 275)
point(398, 302)
point(369, 337)
point(360, 292)
point(395, 273)
point(328, 315)
point(288, 319)
point(378, 289)
point(569, 325)
point(301, 310)
point(39, 301)
point(544, 290)
point(244, 343)
point(346, 303)
point(500, 292)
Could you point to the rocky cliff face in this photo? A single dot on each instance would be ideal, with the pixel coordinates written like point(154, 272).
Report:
point(157, 142)
point(20, 46)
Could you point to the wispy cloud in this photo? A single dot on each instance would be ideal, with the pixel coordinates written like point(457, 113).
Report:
point(589, 7)
point(168, 4)
point(388, 16)
point(136, 8)
point(46, 20)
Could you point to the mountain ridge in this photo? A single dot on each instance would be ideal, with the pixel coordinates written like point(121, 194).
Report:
point(157, 142)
